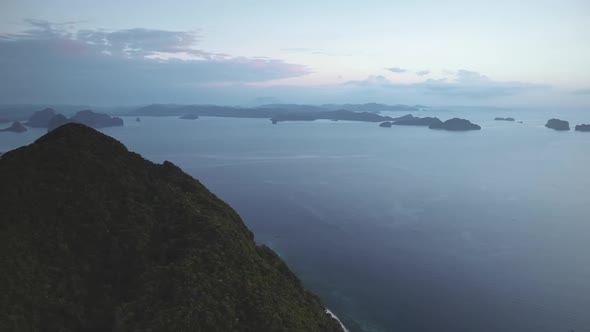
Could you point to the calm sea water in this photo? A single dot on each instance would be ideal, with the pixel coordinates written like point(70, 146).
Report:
point(405, 228)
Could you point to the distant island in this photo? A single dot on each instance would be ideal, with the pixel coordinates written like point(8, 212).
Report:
point(57, 121)
point(268, 111)
point(276, 113)
point(40, 119)
point(23, 112)
point(96, 120)
point(189, 117)
point(410, 120)
point(97, 238)
point(16, 127)
point(455, 124)
point(558, 124)
point(50, 119)
point(331, 115)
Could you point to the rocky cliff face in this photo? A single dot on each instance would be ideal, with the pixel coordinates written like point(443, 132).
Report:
point(96, 238)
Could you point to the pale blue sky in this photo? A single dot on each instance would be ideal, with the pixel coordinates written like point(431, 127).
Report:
point(525, 52)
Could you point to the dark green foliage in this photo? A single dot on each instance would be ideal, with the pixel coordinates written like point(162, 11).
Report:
point(95, 238)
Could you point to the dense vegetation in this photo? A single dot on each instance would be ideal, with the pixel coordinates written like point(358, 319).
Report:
point(95, 238)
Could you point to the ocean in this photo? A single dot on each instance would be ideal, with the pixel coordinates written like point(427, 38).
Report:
point(404, 228)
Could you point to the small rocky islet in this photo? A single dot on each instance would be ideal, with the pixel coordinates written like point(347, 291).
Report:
point(458, 124)
point(16, 127)
point(557, 124)
point(454, 124)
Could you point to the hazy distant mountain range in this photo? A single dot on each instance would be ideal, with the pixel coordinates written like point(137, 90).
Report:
point(22, 112)
point(279, 112)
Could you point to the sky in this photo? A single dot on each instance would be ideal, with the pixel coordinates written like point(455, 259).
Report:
point(489, 53)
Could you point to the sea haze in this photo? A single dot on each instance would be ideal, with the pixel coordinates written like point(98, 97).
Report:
point(404, 228)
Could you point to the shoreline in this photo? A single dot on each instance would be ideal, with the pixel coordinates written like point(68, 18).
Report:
point(338, 319)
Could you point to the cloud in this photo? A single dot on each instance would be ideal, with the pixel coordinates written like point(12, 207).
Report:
point(463, 84)
point(371, 81)
point(139, 43)
point(467, 76)
point(423, 72)
point(582, 92)
point(57, 63)
point(396, 70)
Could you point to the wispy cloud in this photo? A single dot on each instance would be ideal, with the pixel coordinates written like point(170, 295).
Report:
point(397, 70)
point(423, 72)
point(55, 63)
point(464, 84)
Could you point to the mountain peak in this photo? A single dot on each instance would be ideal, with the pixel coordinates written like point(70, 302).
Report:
point(96, 238)
point(78, 136)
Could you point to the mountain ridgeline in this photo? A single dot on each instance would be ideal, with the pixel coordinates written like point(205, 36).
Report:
point(96, 238)
point(50, 119)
